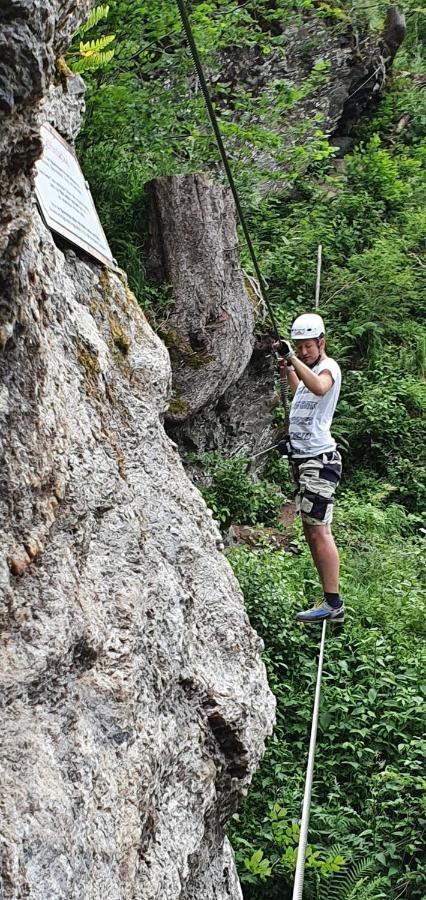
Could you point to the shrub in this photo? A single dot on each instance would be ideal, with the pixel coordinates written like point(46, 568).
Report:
point(367, 795)
point(233, 495)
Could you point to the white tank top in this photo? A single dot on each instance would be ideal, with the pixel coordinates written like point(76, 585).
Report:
point(311, 416)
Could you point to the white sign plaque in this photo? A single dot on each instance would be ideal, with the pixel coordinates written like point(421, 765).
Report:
point(65, 199)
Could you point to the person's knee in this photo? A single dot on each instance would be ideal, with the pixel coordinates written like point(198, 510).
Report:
point(317, 535)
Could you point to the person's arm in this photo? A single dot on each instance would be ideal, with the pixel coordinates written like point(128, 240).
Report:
point(317, 384)
point(289, 373)
point(293, 380)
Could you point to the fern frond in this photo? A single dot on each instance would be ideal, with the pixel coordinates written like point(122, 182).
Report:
point(104, 58)
point(98, 13)
point(93, 47)
point(92, 54)
point(347, 883)
point(90, 63)
point(362, 867)
point(339, 850)
point(374, 890)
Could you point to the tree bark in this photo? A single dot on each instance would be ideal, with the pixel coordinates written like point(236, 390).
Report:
point(193, 246)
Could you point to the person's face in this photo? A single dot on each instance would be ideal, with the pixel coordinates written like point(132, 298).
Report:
point(309, 350)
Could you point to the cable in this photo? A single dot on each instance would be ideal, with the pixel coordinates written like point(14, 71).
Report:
point(364, 83)
point(303, 838)
point(213, 119)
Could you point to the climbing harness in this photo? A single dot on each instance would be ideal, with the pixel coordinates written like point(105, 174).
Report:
point(299, 876)
point(214, 122)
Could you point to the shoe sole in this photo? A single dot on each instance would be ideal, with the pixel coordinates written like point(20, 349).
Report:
point(336, 619)
point(316, 621)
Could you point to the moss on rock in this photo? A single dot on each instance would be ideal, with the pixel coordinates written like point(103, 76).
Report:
point(119, 336)
point(178, 406)
point(181, 350)
point(89, 361)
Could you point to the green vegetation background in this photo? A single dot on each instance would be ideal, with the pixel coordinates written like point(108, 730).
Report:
point(145, 117)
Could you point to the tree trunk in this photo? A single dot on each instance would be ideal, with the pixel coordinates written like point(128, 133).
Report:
point(193, 246)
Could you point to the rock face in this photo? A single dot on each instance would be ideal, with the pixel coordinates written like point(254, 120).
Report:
point(134, 701)
point(32, 35)
point(241, 421)
point(354, 73)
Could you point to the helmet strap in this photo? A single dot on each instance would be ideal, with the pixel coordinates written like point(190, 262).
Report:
point(312, 365)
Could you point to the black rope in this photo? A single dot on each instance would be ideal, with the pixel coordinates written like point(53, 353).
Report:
point(197, 62)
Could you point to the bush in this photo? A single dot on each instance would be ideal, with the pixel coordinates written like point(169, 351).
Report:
point(367, 802)
point(232, 493)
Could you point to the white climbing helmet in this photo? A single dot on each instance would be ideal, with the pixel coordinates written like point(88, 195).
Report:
point(310, 325)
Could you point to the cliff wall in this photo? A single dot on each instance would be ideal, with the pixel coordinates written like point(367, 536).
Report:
point(134, 702)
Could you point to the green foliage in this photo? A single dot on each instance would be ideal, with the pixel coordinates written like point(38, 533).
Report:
point(257, 867)
point(146, 117)
point(282, 836)
point(368, 793)
point(233, 495)
point(374, 170)
point(277, 471)
point(91, 55)
point(356, 883)
point(98, 13)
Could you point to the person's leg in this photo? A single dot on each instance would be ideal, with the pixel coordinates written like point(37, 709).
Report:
point(318, 481)
point(326, 558)
point(324, 554)
point(318, 478)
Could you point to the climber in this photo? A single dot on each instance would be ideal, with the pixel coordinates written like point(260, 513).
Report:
point(315, 463)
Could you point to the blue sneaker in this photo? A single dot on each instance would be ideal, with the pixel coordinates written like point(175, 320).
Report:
point(323, 611)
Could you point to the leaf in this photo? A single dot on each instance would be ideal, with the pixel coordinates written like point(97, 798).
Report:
point(256, 857)
point(96, 61)
point(95, 46)
point(98, 13)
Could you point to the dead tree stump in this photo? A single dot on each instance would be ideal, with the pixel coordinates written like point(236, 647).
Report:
point(193, 246)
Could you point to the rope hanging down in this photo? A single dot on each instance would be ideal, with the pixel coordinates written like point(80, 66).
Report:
point(213, 119)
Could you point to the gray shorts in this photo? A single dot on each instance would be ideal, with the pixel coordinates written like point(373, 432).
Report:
point(315, 482)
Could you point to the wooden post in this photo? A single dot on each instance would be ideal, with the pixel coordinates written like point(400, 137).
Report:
point(317, 286)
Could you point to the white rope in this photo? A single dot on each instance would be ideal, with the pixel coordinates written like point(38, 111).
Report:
point(303, 839)
point(261, 452)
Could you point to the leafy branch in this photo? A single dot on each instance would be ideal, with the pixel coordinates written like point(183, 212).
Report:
point(91, 55)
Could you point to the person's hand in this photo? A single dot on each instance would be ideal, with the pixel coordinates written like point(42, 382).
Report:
point(283, 348)
point(282, 447)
